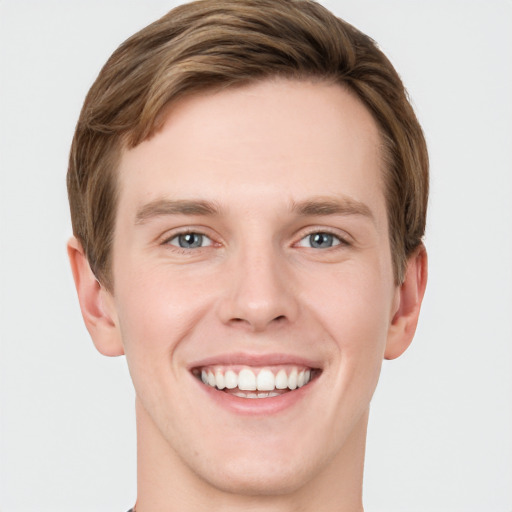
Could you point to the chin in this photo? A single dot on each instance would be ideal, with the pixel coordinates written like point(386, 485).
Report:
point(259, 478)
point(257, 467)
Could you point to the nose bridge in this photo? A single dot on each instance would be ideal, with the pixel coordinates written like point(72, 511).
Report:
point(258, 292)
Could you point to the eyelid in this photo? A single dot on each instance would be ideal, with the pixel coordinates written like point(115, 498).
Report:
point(344, 238)
point(203, 238)
point(336, 241)
point(171, 234)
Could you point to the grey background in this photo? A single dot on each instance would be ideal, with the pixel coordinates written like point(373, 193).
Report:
point(440, 436)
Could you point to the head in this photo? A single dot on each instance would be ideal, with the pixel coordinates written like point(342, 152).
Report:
point(248, 185)
point(213, 45)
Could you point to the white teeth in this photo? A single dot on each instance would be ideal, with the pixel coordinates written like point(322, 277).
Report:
point(219, 380)
point(265, 381)
point(281, 380)
point(246, 380)
point(231, 379)
point(292, 379)
point(241, 394)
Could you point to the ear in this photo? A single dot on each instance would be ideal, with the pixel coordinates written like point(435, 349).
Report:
point(96, 303)
point(409, 298)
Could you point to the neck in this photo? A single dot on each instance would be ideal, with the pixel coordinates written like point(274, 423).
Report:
point(167, 483)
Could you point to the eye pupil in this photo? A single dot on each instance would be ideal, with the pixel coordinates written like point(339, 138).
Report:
point(190, 240)
point(321, 240)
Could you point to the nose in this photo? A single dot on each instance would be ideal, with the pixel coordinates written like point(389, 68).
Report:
point(259, 291)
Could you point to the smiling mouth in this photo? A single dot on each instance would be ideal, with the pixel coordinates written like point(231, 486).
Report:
point(250, 382)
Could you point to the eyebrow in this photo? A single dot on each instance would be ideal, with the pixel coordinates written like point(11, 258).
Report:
point(161, 207)
point(308, 208)
point(330, 206)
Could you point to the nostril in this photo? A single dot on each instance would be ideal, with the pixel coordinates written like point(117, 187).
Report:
point(242, 321)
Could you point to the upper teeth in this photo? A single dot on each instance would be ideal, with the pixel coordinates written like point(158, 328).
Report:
point(247, 379)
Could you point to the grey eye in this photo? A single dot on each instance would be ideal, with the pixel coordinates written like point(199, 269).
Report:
point(190, 240)
point(320, 241)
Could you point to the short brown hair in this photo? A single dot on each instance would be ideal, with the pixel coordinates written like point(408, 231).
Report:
point(223, 43)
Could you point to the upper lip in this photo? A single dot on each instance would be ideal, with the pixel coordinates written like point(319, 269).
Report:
point(256, 360)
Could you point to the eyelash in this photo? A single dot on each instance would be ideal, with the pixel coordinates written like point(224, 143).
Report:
point(339, 241)
point(168, 240)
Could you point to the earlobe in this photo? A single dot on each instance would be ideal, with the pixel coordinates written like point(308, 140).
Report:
point(96, 303)
point(410, 296)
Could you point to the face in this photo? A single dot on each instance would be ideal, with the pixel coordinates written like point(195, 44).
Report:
point(253, 283)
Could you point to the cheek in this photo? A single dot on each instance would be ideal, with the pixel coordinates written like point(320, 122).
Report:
point(156, 314)
point(355, 312)
point(355, 300)
point(157, 310)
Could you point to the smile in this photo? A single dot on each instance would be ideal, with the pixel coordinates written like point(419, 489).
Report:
point(250, 382)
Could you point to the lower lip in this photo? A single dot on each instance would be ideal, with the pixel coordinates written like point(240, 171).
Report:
point(257, 406)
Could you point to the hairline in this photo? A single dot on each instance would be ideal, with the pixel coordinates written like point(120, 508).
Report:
point(126, 142)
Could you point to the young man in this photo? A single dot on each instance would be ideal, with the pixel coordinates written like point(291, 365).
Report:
point(248, 187)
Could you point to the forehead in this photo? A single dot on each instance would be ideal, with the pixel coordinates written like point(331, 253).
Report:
point(281, 140)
